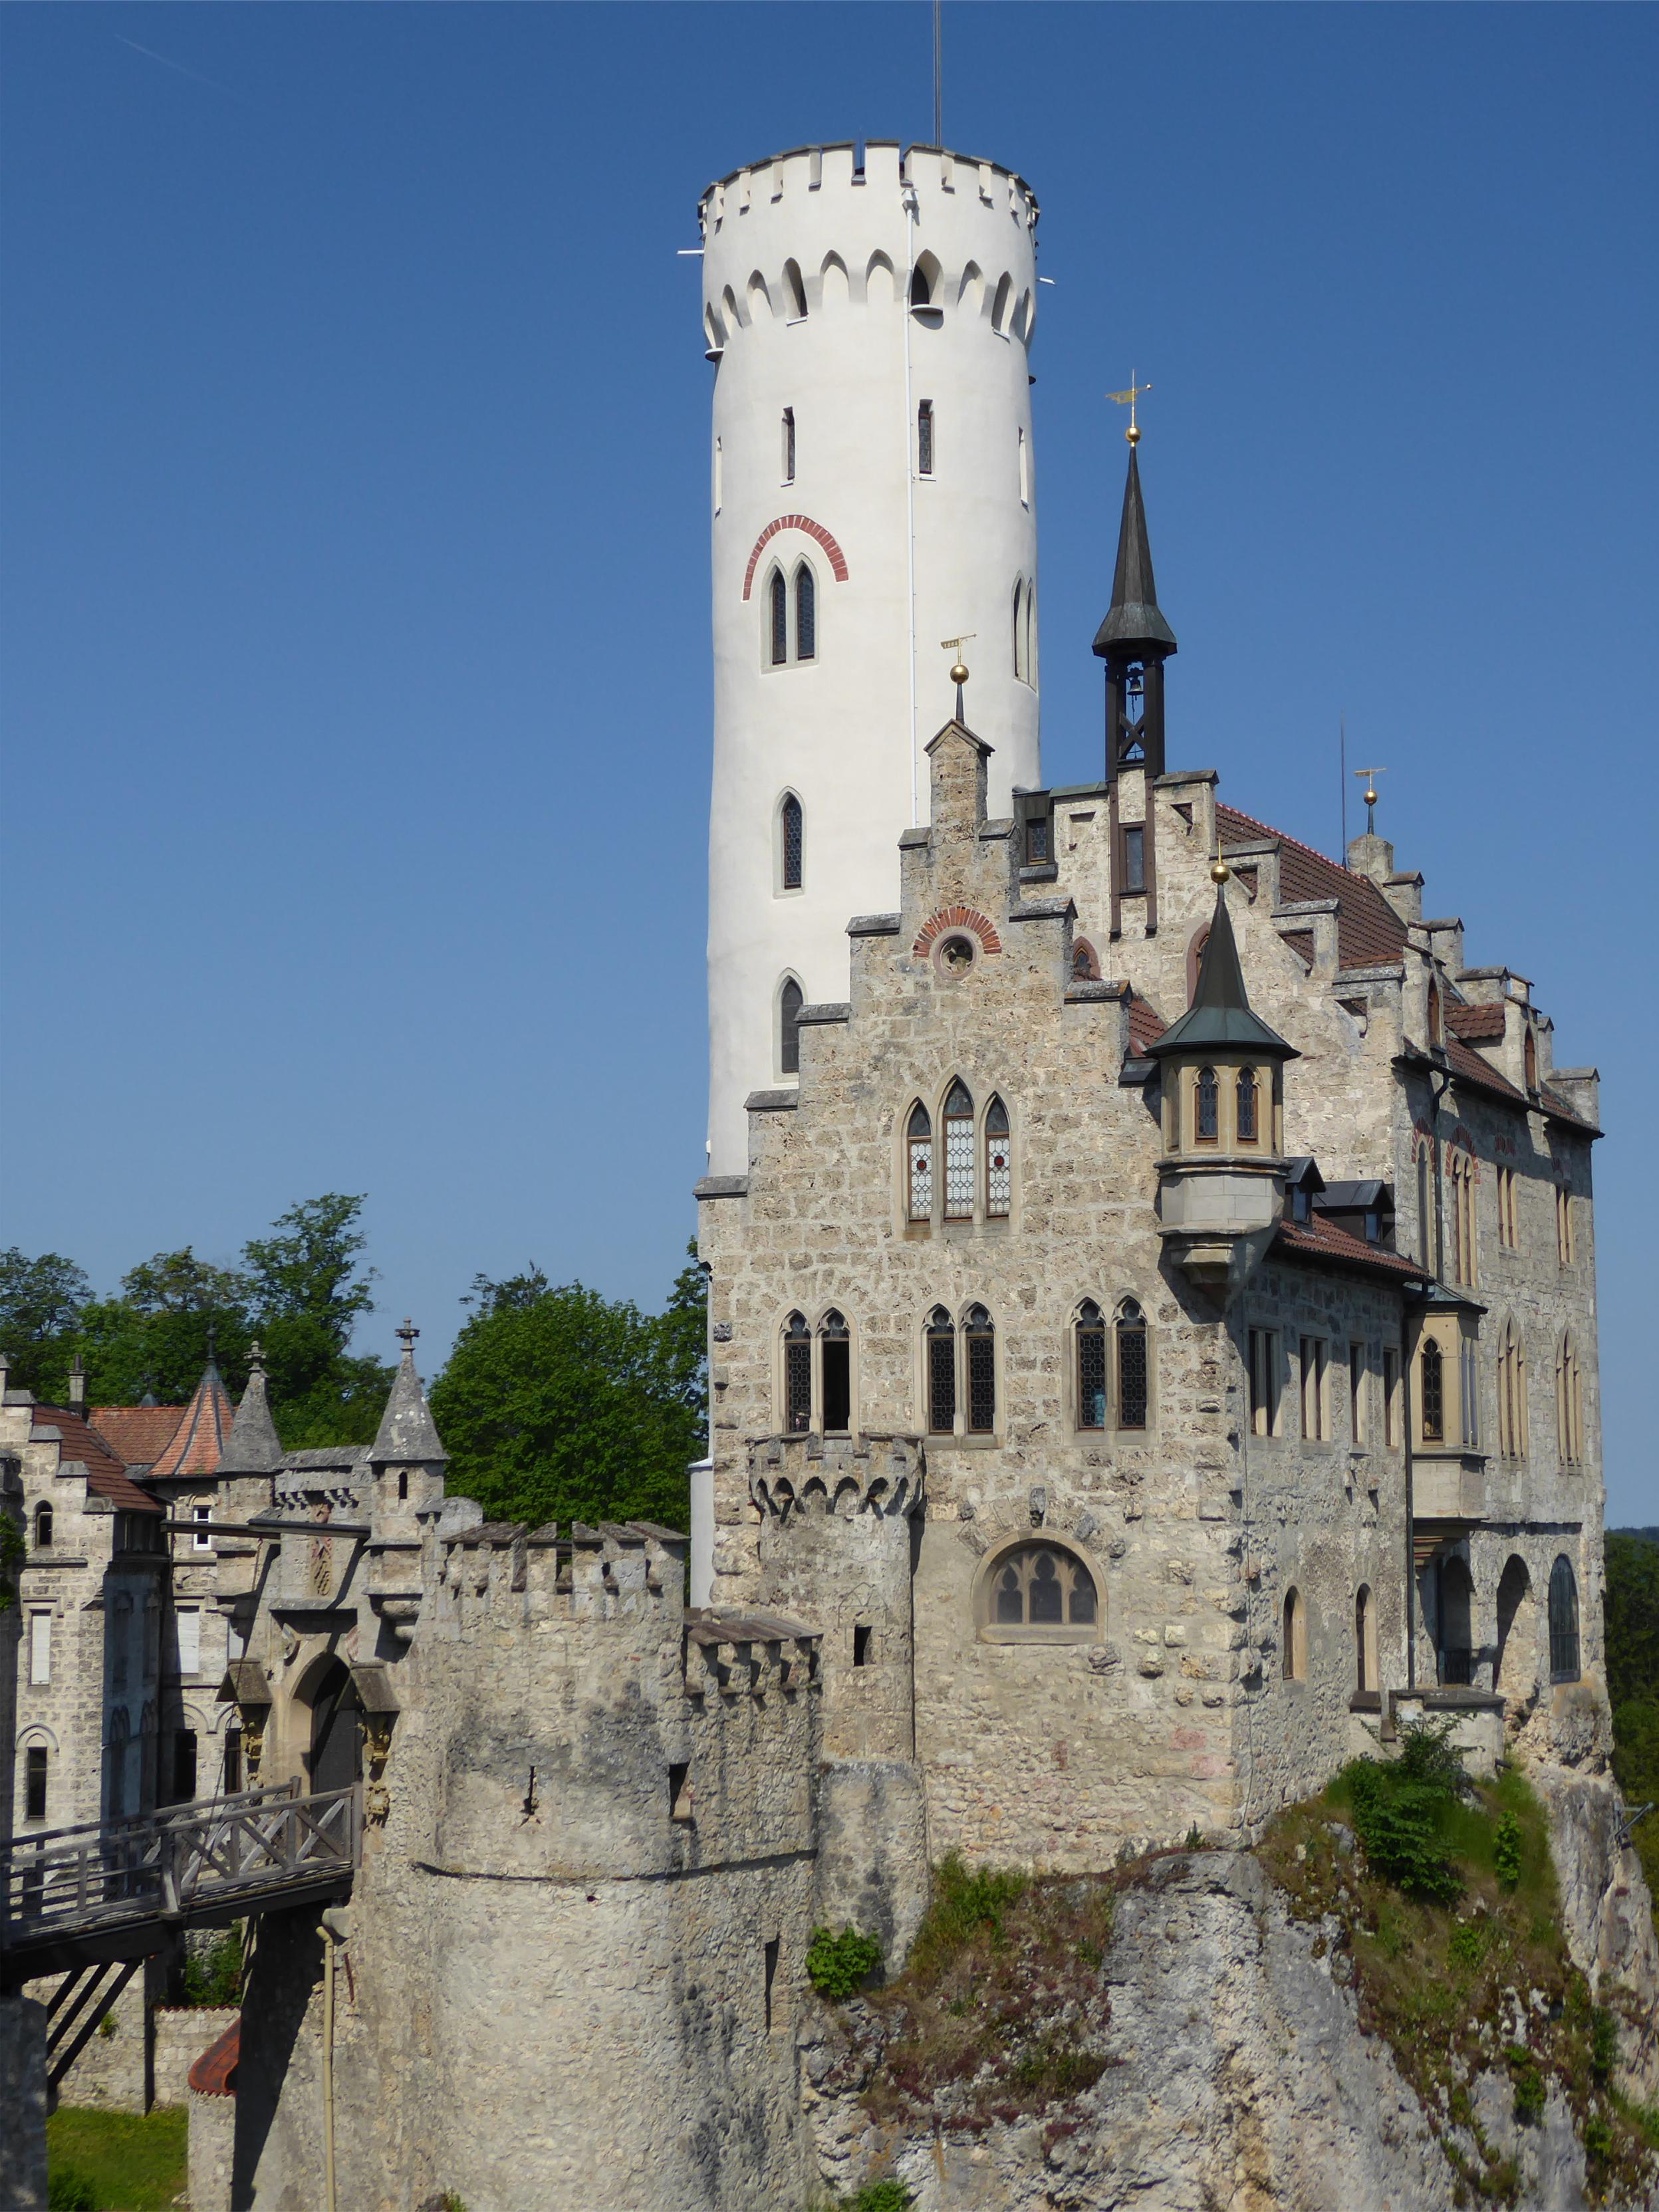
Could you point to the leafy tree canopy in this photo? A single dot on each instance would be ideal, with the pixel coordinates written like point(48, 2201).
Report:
point(560, 1405)
point(1633, 1649)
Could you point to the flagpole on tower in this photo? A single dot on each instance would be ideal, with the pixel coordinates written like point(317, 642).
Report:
point(939, 72)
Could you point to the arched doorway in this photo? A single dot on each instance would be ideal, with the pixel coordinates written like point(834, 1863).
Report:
point(336, 1756)
point(1515, 1670)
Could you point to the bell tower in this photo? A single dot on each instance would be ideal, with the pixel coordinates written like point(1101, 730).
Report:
point(1134, 641)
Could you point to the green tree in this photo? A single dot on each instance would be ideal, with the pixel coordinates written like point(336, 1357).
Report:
point(307, 1288)
point(40, 1302)
point(559, 1405)
point(1631, 1605)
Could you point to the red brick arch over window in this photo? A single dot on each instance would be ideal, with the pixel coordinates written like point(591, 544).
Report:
point(837, 558)
point(956, 917)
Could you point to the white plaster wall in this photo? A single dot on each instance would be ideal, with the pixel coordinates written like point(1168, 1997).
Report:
point(841, 732)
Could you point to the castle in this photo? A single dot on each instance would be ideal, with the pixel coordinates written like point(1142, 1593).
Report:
point(1151, 1319)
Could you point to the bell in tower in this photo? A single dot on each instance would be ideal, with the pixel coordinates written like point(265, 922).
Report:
point(1134, 641)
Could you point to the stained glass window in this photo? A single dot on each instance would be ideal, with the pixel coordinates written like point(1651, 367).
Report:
point(797, 1376)
point(806, 614)
point(941, 1374)
point(1209, 1106)
point(998, 1162)
point(959, 1154)
point(1091, 1366)
point(789, 1006)
point(919, 1151)
point(1132, 1393)
point(1247, 1098)
point(982, 1371)
point(1434, 1401)
point(792, 843)
point(778, 594)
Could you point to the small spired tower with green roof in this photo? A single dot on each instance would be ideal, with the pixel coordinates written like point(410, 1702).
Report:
point(1220, 1181)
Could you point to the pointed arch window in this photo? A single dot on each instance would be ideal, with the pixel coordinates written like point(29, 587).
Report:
point(796, 291)
point(1433, 1393)
point(1294, 1653)
point(980, 1333)
point(1364, 1640)
point(1511, 1394)
point(919, 1164)
point(959, 1153)
point(1569, 1404)
point(835, 1368)
point(792, 842)
point(941, 1373)
point(777, 593)
point(43, 1527)
point(1089, 1332)
point(1020, 631)
point(1425, 1240)
point(999, 1162)
point(796, 1376)
point(1247, 1105)
point(790, 1000)
point(1039, 1593)
point(1134, 1392)
point(1463, 1211)
point(1563, 1621)
point(806, 614)
point(1208, 1128)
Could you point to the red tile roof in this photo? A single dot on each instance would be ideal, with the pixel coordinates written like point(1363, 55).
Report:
point(1319, 1239)
point(214, 2074)
point(1144, 1025)
point(137, 1434)
point(1486, 1023)
point(200, 1439)
point(1369, 932)
point(1464, 1060)
point(105, 1475)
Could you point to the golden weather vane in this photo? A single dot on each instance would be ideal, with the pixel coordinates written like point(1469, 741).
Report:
point(1371, 775)
point(1127, 399)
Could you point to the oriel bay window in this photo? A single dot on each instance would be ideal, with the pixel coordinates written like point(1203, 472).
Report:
point(1246, 1094)
point(1208, 1125)
point(1432, 1386)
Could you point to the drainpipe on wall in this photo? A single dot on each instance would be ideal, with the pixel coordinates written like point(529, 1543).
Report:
point(1411, 1499)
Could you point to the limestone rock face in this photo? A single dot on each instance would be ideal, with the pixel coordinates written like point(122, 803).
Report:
point(1239, 2081)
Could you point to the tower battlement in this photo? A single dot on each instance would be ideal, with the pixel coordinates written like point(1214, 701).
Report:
point(505, 1575)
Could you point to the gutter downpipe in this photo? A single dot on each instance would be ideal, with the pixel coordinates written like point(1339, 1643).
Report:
point(331, 1929)
point(1411, 1499)
point(912, 215)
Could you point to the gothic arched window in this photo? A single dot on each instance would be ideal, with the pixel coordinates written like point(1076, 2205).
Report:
point(1133, 1393)
point(790, 843)
point(790, 1000)
point(806, 614)
point(777, 593)
point(836, 1374)
point(919, 1164)
point(1020, 631)
point(43, 1527)
point(1039, 1593)
point(1090, 1331)
point(998, 1162)
point(1568, 1405)
point(1365, 1640)
point(959, 1153)
point(981, 1335)
point(1563, 1622)
point(1246, 1089)
point(1209, 1107)
point(796, 1376)
point(1433, 1393)
point(941, 1373)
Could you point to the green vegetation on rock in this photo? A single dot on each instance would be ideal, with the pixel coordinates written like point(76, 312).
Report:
point(1632, 1648)
point(839, 1965)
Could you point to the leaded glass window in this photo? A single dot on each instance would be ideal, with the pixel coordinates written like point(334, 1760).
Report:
point(792, 842)
point(806, 614)
point(778, 597)
point(835, 1353)
point(1209, 1106)
point(789, 1006)
point(1043, 1592)
point(797, 1376)
point(924, 439)
point(1434, 1397)
point(1563, 1622)
point(959, 1154)
point(982, 1371)
point(1132, 1391)
point(1091, 1366)
point(1247, 1104)
point(941, 1373)
point(919, 1156)
point(998, 1162)
point(1134, 858)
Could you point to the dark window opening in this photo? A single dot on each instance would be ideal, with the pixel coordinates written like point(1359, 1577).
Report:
point(1563, 1622)
point(678, 1804)
point(1036, 839)
point(789, 445)
point(184, 1766)
point(233, 1781)
point(790, 1002)
point(982, 1372)
point(43, 1527)
point(797, 1377)
point(860, 1644)
point(924, 439)
point(1209, 1107)
point(836, 1353)
point(771, 1976)
point(1091, 1367)
point(1246, 1099)
point(941, 1374)
point(1132, 1393)
point(1434, 1398)
point(920, 291)
point(1437, 1019)
point(792, 843)
point(403, 1485)
point(807, 615)
point(34, 1783)
point(1134, 858)
point(778, 593)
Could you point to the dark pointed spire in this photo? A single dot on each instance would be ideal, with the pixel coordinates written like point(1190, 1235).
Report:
point(1134, 627)
point(1220, 1016)
point(252, 1446)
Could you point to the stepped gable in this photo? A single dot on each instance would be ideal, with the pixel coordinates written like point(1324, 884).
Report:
point(106, 1475)
point(1369, 932)
point(137, 1435)
point(200, 1439)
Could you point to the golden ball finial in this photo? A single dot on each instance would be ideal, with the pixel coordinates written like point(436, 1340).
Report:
point(1370, 794)
point(1219, 871)
point(1132, 433)
point(959, 673)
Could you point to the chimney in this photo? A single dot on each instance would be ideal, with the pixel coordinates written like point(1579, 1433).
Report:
point(78, 1385)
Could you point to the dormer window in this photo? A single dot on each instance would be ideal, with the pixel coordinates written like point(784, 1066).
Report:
point(1301, 1202)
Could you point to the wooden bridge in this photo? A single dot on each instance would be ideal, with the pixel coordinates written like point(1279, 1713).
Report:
point(93, 1902)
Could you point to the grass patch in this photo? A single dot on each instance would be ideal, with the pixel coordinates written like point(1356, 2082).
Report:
point(132, 2162)
point(1450, 1936)
point(1002, 2009)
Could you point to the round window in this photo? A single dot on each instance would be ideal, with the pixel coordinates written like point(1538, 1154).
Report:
point(956, 954)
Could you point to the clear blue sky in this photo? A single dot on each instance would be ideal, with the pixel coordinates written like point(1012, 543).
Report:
point(356, 672)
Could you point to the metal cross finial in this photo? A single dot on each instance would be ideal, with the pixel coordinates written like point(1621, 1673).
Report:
point(1127, 399)
point(1371, 775)
point(408, 1333)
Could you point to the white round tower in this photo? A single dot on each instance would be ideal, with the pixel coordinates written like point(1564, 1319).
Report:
point(874, 493)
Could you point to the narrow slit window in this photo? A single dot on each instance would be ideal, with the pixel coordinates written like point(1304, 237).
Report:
point(797, 1376)
point(34, 1783)
point(982, 1372)
point(793, 842)
point(1132, 1395)
point(836, 1356)
point(919, 1163)
point(860, 1644)
point(999, 1162)
point(924, 439)
point(1293, 1655)
point(1019, 632)
point(941, 1374)
point(778, 600)
point(1090, 1333)
point(1391, 1396)
point(770, 1971)
point(959, 1154)
point(1264, 1382)
point(1433, 1393)
point(1357, 1424)
point(1209, 1107)
point(789, 445)
point(789, 1006)
point(806, 614)
point(1134, 858)
point(1247, 1105)
point(1364, 1671)
point(1024, 472)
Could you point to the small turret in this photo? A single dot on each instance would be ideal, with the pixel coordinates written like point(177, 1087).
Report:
point(407, 1457)
point(1134, 641)
point(1220, 1178)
